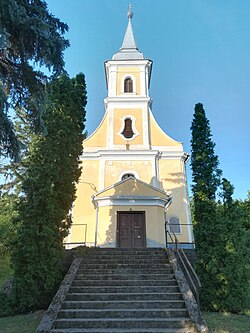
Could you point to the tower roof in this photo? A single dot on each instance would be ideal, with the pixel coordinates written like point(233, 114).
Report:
point(128, 51)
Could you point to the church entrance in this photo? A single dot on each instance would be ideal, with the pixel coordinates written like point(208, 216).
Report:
point(131, 229)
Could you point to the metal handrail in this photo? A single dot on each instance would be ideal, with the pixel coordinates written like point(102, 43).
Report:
point(84, 236)
point(183, 262)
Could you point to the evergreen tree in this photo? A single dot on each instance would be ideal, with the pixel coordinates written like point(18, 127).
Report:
point(52, 169)
point(7, 230)
point(232, 276)
point(13, 170)
point(204, 161)
point(206, 178)
point(30, 37)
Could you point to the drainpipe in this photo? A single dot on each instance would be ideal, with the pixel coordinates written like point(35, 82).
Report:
point(168, 203)
point(157, 157)
point(96, 218)
point(185, 158)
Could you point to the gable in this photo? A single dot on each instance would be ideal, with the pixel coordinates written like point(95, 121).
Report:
point(132, 187)
point(99, 137)
point(158, 137)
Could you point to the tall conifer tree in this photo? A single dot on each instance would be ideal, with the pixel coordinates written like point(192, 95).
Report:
point(206, 178)
point(52, 169)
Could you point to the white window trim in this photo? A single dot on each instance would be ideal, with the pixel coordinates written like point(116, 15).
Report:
point(129, 171)
point(136, 133)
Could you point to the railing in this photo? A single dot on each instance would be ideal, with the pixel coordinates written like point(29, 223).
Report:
point(82, 231)
point(185, 265)
point(181, 229)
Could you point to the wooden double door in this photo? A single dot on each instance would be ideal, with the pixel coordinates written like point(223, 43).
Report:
point(131, 229)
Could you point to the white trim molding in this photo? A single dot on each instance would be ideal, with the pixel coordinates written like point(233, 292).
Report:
point(131, 201)
point(129, 171)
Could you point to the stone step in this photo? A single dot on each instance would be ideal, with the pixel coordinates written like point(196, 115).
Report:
point(123, 323)
point(124, 330)
point(116, 250)
point(137, 266)
point(123, 289)
point(122, 296)
point(124, 260)
point(125, 277)
point(126, 255)
point(125, 252)
point(124, 270)
point(124, 304)
point(129, 256)
point(123, 313)
point(124, 283)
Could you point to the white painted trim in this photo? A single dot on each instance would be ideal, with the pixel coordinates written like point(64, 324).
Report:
point(135, 154)
point(120, 153)
point(131, 201)
point(128, 62)
point(143, 81)
point(128, 97)
point(186, 199)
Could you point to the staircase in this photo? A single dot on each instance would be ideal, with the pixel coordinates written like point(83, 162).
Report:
point(122, 291)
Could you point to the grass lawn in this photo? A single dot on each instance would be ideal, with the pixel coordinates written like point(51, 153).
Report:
point(227, 322)
point(21, 324)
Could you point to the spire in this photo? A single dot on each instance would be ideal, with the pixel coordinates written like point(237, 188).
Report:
point(128, 50)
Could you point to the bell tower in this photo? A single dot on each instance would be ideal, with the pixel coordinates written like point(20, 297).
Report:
point(128, 102)
point(130, 166)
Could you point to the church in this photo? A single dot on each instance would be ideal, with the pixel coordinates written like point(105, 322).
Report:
point(133, 176)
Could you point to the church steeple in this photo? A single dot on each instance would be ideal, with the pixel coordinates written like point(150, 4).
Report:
point(128, 51)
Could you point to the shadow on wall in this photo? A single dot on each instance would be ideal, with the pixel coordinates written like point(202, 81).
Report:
point(110, 238)
point(174, 177)
point(156, 183)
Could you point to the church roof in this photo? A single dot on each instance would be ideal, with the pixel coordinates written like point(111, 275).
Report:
point(128, 51)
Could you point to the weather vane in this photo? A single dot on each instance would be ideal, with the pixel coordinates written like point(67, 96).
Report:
point(130, 13)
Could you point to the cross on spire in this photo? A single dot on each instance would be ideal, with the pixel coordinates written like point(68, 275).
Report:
point(129, 49)
point(130, 13)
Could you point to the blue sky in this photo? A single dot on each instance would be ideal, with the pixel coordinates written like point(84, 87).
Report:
point(201, 53)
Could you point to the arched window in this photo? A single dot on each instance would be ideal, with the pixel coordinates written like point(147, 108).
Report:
point(128, 85)
point(128, 175)
point(174, 225)
point(127, 130)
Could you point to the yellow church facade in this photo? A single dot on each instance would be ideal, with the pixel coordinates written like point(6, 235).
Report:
point(133, 174)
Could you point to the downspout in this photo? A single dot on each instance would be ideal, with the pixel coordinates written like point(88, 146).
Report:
point(157, 157)
point(96, 217)
point(168, 203)
point(185, 159)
